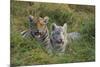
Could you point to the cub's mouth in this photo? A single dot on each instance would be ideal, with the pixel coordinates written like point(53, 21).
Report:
point(37, 34)
point(60, 41)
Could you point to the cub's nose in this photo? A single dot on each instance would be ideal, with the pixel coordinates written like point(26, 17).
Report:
point(61, 41)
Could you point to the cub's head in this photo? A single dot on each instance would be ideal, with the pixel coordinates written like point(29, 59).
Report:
point(40, 24)
point(58, 34)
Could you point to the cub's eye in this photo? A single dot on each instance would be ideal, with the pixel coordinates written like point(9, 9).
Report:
point(44, 21)
point(53, 37)
point(40, 33)
point(57, 32)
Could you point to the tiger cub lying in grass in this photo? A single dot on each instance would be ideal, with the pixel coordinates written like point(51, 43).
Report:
point(38, 30)
point(60, 38)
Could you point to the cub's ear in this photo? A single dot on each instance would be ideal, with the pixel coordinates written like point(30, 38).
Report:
point(65, 26)
point(40, 18)
point(53, 26)
point(46, 18)
point(30, 18)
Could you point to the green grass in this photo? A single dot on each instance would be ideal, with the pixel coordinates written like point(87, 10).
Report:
point(30, 52)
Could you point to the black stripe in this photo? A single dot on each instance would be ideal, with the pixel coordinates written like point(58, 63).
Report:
point(32, 33)
point(24, 33)
point(45, 36)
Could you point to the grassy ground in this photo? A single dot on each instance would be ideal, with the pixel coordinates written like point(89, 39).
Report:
point(29, 52)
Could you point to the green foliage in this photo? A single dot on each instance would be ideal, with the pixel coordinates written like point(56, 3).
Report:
point(29, 51)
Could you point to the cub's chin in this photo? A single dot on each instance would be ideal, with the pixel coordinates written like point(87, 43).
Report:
point(37, 36)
